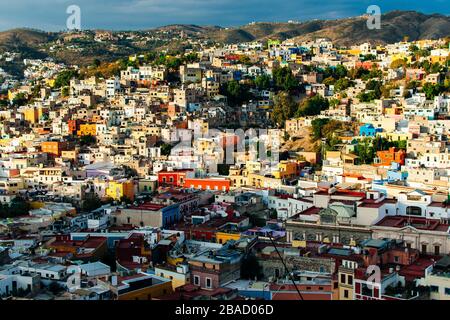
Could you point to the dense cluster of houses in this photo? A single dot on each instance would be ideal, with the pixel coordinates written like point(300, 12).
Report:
point(116, 188)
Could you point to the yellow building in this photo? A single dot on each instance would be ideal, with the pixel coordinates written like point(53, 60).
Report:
point(69, 155)
point(118, 189)
point(87, 129)
point(11, 186)
point(179, 275)
point(346, 276)
point(298, 243)
point(130, 288)
point(237, 177)
point(50, 82)
point(31, 115)
point(353, 52)
point(286, 170)
point(261, 181)
point(396, 136)
point(224, 237)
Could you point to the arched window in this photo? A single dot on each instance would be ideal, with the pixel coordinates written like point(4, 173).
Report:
point(414, 211)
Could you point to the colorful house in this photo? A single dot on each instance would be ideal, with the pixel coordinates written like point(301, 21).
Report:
point(208, 184)
point(368, 130)
point(385, 158)
point(88, 129)
point(118, 189)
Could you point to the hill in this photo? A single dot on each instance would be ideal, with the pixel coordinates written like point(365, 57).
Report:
point(82, 48)
point(395, 26)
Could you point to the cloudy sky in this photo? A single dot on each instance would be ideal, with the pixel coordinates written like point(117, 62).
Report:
point(141, 14)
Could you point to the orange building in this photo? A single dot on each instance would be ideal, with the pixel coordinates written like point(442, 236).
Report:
point(54, 148)
point(73, 126)
point(88, 129)
point(385, 158)
point(208, 184)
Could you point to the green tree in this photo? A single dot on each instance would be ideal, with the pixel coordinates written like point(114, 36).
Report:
point(91, 202)
point(284, 79)
point(365, 150)
point(20, 99)
point(250, 268)
point(284, 108)
point(96, 63)
point(313, 106)
point(262, 82)
point(65, 91)
point(316, 128)
point(87, 140)
point(17, 207)
point(342, 84)
point(64, 77)
point(166, 148)
point(236, 92)
point(432, 90)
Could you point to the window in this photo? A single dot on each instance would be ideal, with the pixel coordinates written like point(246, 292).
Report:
point(277, 272)
point(436, 250)
point(447, 291)
point(414, 211)
point(346, 294)
point(350, 280)
point(342, 278)
point(396, 259)
point(434, 288)
point(208, 283)
point(424, 248)
point(197, 280)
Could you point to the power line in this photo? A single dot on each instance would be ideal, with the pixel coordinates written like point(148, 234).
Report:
point(285, 267)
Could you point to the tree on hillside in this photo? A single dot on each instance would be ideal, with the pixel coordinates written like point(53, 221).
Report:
point(284, 79)
point(312, 106)
point(365, 150)
point(17, 207)
point(342, 84)
point(64, 77)
point(284, 108)
point(20, 99)
point(236, 92)
point(262, 82)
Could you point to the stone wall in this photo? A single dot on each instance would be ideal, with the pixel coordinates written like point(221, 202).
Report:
point(269, 265)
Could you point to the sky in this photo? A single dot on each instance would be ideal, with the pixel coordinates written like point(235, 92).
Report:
point(50, 15)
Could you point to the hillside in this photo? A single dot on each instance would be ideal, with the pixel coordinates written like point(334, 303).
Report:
point(82, 50)
point(395, 26)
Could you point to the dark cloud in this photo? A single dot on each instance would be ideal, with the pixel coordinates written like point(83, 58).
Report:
point(141, 14)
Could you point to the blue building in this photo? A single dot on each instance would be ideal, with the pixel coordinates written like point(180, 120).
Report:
point(170, 215)
point(397, 175)
point(368, 130)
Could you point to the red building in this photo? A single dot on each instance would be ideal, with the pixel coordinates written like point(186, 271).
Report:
point(208, 184)
point(175, 178)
